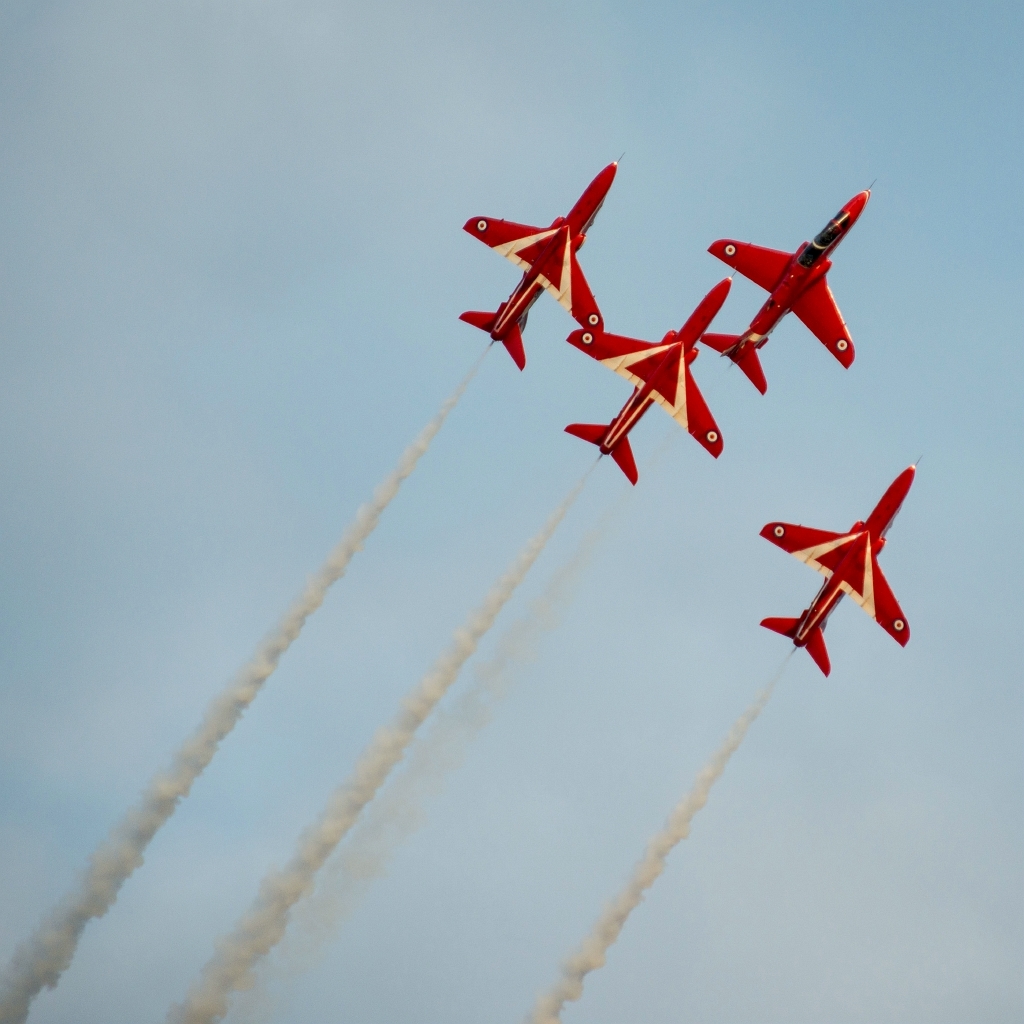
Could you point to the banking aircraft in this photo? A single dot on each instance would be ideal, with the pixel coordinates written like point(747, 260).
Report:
point(849, 561)
point(659, 373)
point(796, 281)
point(547, 257)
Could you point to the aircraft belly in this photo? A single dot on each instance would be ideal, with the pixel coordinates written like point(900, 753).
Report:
point(519, 304)
point(821, 608)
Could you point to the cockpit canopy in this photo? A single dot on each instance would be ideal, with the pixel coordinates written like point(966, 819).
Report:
point(827, 237)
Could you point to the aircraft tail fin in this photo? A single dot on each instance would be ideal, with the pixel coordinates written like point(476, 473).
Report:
point(622, 453)
point(745, 358)
point(513, 341)
point(815, 640)
point(787, 627)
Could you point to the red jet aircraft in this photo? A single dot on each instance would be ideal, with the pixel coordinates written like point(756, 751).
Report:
point(658, 373)
point(548, 258)
point(849, 561)
point(796, 282)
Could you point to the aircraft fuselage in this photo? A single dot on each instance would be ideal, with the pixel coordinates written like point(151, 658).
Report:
point(642, 398)
point(518, 305)
point(809, 263)
point(579, 219)
point(876, 527)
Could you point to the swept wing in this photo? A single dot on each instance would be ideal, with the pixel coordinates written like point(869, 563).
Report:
point(820, 549)
point(558, 271)
point(765, 267)
point(852, 559)
point(817, 308)
point(667, 364)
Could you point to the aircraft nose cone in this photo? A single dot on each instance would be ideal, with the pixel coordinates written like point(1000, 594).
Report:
point(857, 203)
point(904, 481)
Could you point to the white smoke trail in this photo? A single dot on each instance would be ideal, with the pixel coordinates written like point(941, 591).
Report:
point(259, 930)
point(594, 948)
point(40, 961)
point(398, 812)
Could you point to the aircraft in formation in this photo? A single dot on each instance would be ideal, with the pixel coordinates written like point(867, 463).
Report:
point(795, 282)
point(849, 563)
point(660, 373)
point(547, 257)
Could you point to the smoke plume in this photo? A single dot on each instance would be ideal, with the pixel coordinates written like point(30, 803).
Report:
point(40, 961)
point(594, 948)
point(398, 811)
point(259, 930)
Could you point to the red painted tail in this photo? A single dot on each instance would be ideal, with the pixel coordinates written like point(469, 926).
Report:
point(592, 432)
point(623, 456)
point(787, 627)
point(746, 358)
point(485, 321)
point(816, 649)
point(513, 341)
point(815, 643)
point(621, 453)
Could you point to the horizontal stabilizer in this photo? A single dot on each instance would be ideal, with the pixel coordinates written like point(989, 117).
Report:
point(513, 342)
point(744, 357)
point(623, 456)
point(621, 453)
point(787, 627)
point(485, 321)
point(815, 642)
point(816, 649)
point(721, 343)
point(592, 432)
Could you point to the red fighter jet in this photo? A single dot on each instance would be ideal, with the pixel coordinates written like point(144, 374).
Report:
point(547, 257)
point(658, 373)
point(796, 282)
point(850, 563)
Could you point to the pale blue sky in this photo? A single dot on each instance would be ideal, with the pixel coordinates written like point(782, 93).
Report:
point(230, 275)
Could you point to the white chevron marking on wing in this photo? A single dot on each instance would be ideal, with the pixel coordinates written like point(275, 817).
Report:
point(511, 250)
point(810, 555)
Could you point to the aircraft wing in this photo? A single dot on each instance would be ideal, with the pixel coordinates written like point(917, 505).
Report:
point(582, 304)
point(818, 310)
point(820, 549)
point(509, 239)
point(630, 358)
point(675, 390)
point(888, 613)
point(561, 275)
point(764, 267)
point(700, 423)
point(861, 578)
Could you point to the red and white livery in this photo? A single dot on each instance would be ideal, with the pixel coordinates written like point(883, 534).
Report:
point(659, 373)
point(796, 282)
point(547, 257)
point(849, 561)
